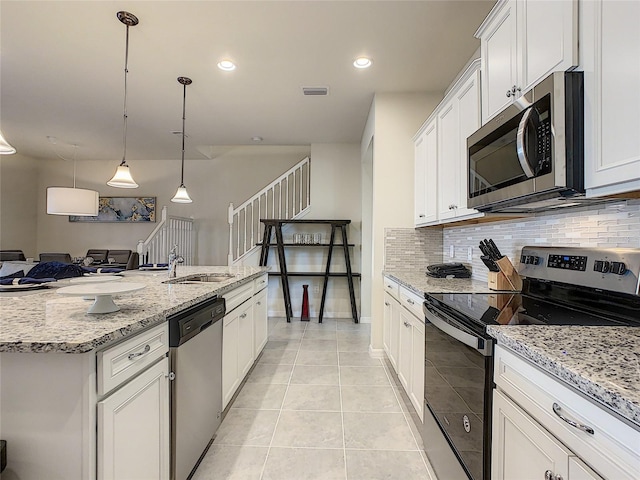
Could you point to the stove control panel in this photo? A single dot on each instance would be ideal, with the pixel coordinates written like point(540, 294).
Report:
point(613, 269)
point(571, 262)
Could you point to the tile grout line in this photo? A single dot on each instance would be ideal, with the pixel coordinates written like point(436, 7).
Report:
point(266, 458)
point(344, 443)
point(428, 467)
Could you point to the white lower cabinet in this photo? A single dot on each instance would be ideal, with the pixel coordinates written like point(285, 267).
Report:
point(536, 429)
point(245, 339)
point(260, 322)
point(522, 448)
point(133, 426)
point(244, 334)
point(403, 340)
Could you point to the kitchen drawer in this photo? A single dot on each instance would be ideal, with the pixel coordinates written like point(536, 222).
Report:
point(391, 287)
point(613, 450)
point(412, 302)
point(260, 283)
point(237, 296)
point(121, 362)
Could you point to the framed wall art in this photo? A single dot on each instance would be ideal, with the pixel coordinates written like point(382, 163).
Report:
point(122, 209)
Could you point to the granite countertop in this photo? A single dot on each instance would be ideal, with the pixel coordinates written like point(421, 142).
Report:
point(419, 283)
point(601, 362)
point(42, 321)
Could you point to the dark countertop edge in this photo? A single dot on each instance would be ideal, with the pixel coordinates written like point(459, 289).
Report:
point(122, 332)
point(626, 410)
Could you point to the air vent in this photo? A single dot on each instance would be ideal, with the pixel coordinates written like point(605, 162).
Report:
point(315, 91)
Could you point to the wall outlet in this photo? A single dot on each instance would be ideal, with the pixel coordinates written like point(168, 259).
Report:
point(470, 254)
point(452, 251)
point(316, 289)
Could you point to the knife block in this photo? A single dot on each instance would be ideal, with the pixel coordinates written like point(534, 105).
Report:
point(506, 279)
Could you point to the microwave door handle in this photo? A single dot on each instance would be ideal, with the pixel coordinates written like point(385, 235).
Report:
point(520, 146)
point(479, 344)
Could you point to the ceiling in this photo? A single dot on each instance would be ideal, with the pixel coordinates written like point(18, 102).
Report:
point(62, 70)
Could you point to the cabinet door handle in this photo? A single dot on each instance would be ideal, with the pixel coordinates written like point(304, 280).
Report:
point(147, 349)
point(585, 428)
point(421, 215)
point(258, 303)
point(406, 324)
point(410, 302)
point(387, 304)
point(243, 315)
point(548, 475)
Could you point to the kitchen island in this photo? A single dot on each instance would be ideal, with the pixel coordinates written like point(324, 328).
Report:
point(85, 396)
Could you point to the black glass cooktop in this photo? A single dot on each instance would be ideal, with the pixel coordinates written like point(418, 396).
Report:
point(477, 310)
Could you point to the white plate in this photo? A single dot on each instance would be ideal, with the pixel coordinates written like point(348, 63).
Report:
point(95, 279)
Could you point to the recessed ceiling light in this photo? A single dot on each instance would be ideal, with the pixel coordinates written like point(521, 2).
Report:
point(362, 62)
point(226, 65)
point(256, 139)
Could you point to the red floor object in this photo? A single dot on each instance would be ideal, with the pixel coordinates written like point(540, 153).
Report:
point(304, 317)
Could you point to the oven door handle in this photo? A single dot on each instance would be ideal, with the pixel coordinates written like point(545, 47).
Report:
point(520, 144)
point(479, 344)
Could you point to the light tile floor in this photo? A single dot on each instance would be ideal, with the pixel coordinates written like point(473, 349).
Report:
point(317, 406)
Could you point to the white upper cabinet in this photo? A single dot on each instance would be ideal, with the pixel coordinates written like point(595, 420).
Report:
point(441, 153)
point(610, 58)
point(522, 42)
point(426, 174)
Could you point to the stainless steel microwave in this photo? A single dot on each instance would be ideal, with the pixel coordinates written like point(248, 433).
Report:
point(530, 156)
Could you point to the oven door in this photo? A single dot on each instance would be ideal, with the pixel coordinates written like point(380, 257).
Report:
point(458, 386)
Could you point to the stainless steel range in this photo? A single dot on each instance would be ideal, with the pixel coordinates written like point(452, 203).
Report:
point(562, 286)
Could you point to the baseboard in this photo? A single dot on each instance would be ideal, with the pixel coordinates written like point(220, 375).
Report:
point(312, 314)
point(376, 352)
point(365, 319)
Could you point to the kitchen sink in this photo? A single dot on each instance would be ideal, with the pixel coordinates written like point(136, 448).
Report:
point(203, 277)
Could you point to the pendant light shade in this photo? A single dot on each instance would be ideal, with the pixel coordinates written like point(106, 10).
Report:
point(122, 177)
point(72, 201)
point(5, 147)
point(182, 196)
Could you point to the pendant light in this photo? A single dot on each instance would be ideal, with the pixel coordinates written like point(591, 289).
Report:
point(5, 147)
point(122, 177)
point(182, 196)
point(72, 201)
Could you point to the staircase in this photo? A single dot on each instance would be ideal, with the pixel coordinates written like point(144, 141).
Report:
point(169, 231)
point(286, 198)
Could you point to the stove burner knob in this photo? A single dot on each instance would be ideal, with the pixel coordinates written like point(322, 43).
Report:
point(619, 268)
point(601, 266)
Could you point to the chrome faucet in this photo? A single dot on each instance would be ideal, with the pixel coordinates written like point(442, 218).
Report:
point(174, 259)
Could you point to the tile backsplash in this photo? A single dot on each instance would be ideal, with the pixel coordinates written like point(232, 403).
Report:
point(412, 249)
point(608, 225)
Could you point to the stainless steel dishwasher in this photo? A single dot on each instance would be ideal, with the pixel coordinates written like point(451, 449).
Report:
point(195, 353)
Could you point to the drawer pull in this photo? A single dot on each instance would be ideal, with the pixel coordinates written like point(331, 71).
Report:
point(585, 428)
point(548, 475)
point(258, 303)
point(406, 324)
point(387, 304)
point(147, 349)
point(244, 315)
point(410, 302)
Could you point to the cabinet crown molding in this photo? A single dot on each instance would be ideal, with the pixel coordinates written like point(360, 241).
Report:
point(490, 16)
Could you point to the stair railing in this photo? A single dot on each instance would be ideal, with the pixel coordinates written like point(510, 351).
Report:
point(169, 231)
point(287, 197)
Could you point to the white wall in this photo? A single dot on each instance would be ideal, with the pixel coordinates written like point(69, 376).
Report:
point(212, 184)
point(397, 118)
point(18, 203)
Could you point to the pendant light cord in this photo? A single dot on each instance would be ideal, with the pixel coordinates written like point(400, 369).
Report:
point(126, 71)
point(184, 103)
